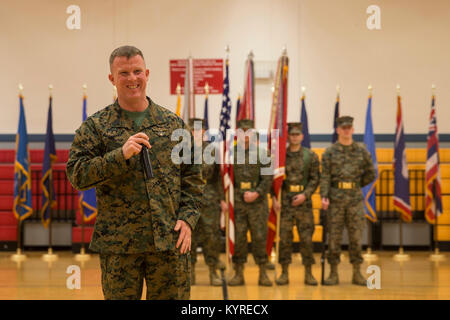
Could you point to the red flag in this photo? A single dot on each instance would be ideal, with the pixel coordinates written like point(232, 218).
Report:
point(247, 103)
point(433, 198)
point(278, 121)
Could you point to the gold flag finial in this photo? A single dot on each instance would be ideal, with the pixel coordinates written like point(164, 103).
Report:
point(398, 89)
point(433, 88)
point(178, 89)
point(20, 89)
point(84, 86)
point(284, 50)
point(50, 88)
point(370, 89)
point(206, 88)
point(251, 55)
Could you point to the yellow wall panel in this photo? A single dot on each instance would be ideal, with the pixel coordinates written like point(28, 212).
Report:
point(443, 233)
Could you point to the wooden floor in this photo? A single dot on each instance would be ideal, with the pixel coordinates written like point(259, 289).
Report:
point(418, 278)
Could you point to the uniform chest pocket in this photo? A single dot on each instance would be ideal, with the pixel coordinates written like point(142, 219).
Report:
point(115, 138)
point(159, 138)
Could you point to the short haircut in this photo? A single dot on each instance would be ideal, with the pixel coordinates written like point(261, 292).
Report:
point(125, 51)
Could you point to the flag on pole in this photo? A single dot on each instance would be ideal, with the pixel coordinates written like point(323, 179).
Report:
point(433, 199)
point(402, 202)
point(369, 190)
point(22, 207)
point(227, 156)
point(336, 116)
point(47, 181)
point(87, 199)
point(205, 114)
point(305, 130)
point(246, 109)
point(278, 121)
point(178, 100)
point(238, 106)
point(189, 97)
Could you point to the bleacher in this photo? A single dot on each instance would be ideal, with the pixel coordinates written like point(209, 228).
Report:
point(67, 209)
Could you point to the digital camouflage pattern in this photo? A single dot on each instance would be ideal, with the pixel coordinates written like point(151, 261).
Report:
point(207, 231)
point(166, 274)
point(345, 170)
point(135, 215)
point(134, 229)
point(302, 215)
point(250, 216)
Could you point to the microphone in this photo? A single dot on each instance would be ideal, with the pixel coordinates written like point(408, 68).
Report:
point(148, 170)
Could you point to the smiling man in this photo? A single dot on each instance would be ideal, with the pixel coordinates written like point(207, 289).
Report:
point(144, 223)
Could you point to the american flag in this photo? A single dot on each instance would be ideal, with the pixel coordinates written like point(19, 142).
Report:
point(401, 178)
point(433, 200)
point(278, 121)
point(226, 165)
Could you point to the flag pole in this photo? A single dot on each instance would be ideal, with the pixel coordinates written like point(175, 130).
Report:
point(273, 256)
point(400, 256)
point(50, 256)
point(436, 256)
point(82, 256)
point(277, 232)
point(19, 256)
point(369, 255)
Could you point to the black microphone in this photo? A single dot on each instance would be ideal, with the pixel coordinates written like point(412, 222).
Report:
point(148, 170)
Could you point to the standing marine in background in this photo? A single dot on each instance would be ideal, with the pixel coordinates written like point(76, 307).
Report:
point(251, 186)
point(302, 180)
point(346, 168)
point(207, 232)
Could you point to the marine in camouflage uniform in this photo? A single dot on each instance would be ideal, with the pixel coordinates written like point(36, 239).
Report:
point(302, 178)
point(134, 230)
point(346, 168)
point(253, 215)
point(207, 231)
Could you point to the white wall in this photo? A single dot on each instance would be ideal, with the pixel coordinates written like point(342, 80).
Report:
point(328, 43)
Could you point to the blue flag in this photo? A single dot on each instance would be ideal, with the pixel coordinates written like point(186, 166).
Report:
point(47, 182)
point(369, 190)
point(22, 207)
point(238, 107)
point(336, 115)
point(304, 120)
point(88, 200)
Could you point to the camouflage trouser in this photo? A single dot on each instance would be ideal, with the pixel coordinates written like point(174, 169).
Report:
point(349, 213)
point(251, 216)
point(167, 275)
point(304, 219)
point(207, 235)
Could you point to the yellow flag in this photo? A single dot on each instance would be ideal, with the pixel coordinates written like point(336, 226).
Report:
point(179, 106)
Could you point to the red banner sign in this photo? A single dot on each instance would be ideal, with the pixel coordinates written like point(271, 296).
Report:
point(205, 71)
